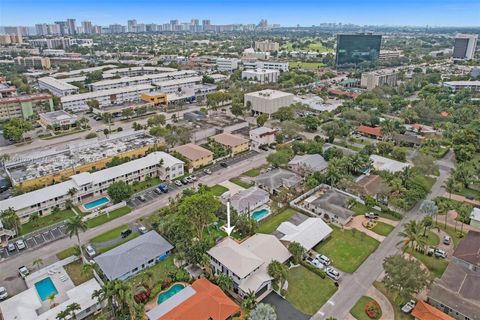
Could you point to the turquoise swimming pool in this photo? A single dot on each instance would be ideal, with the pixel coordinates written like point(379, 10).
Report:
point(96, 203)
point(260, 214)
point(45, 288)
point(176, 288)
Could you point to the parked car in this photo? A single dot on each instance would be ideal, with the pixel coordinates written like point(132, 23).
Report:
point(272, 146)
point(408, 307)
point(141, 198)
point(333, 274)
point(185, 181)
point(189, 179)
point(315, 263)
point(11, 247)
point(90, 250)
point(178, 183)
point(224, 164)
point(447, 240)
point(20, 244)
point(264, 148)
point(163, 187)
point(142, 230)
point(207, 171)
point(23, 271)
point(125, 233)
point(323, 259)
point(3, 293)
point(439, 253)
point(193, 178)
point(469, 197)
point(371, 215)
point(157, 190)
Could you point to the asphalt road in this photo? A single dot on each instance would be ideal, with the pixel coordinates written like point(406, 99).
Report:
point(9, 277)
point(353, 286)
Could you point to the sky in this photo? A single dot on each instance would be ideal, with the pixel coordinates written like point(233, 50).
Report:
point(283, 12)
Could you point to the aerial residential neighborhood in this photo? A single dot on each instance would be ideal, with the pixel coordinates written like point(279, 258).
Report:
point(281, 161)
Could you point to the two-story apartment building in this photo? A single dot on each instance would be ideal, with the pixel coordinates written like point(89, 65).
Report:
point(234, 143)
point(262, 136)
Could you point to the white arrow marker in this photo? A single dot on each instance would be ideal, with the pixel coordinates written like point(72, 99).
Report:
point(228, 229)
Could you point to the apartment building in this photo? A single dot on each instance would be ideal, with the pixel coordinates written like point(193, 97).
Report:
point(135, 71)
point(465, 46)
point(234, 143)
point(25, 106)
point(371, 80)
point(390, 54)
point(226, 64)
point(57, 87)
point(266, 46)
point(79, 72)
point(269, 65)
point(105, 98)
point(261, 75)
point(268, 101)
point(89, 185)
point(196, 155)
point(262, 136)
point(171, 86)
point(34, 62)
point(460, 85)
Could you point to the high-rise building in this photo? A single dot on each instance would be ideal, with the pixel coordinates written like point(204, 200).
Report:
point(206, 25)
point(116, 28)
point(72, 29)
point(132, 25)
point(41, 29)
point(87, 27)
point(62, 25)
point(357, 50)
point(54, 29)
point(465, 46)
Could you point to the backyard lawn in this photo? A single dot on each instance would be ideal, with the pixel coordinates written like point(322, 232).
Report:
point(307, 291)
point(271, 223)
point(109, 235)
point(361, 209)
point(145, 184)
point(358, 310)
point(74, 270)
point(218, 190)
point(382, 228)
point(252, 172)
point(241, 183)
point(347, 248)
point(101, 219)
point(436, 266)
point(397, 305)
point(159, 271)
point(66, 253)
point(45, 221)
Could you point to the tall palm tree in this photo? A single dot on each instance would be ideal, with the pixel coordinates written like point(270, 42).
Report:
point(411, 235)
point(106, 294)
point(62, 315)
point(73, 227)
point(11, 220)
point(249, 301)
point(72, 308)
point(450, 186)
point(51, 298)
point(37, 263)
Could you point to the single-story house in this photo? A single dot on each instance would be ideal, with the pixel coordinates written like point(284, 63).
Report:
point(407, 139)
point(234, 143)
point(249, 199)
point(424, 311)
point(385, 164)
point(247, 262)
point(262, 136)
point(273, 180)
point(371, 132)
point(420, 128)
point(133, 256)
point(475, 218)
point(308, 164)
point(197, 156)
point(372, 185)
point(331, 205)
point(200, 301)
point(308, 233)
point(345, 151)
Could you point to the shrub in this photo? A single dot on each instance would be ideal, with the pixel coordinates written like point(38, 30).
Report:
point(320, 273)
point(283, 292)
point(91, 135)
point(275, 286)
point(143, 294)
point(373, 310)
point(166, 283)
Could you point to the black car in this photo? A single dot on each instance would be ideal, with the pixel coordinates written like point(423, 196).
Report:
point(224, 165)
point(125, 233)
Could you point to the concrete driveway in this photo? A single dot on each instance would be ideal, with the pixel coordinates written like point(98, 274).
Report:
point(283, 308)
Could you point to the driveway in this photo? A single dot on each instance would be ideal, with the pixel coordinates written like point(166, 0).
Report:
point(283, 308)
point(357, 223)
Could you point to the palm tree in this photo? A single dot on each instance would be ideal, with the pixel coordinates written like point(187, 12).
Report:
point(278, 272)
point(11, 220)
point(147, 278)
point(51, 298)
point(33, 218)
point(37, 263)
point(224, 282)
point(429, 208)
point(411, 236)
point(63, 315)
point(72, 308)
point(106, 294)
point(72, 191)
point(73, 227)
point(450, 187)
point(249, 301)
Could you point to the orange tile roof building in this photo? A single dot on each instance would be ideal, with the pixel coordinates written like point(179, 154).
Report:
point(370, 131)
point(424, 311)
point(208, 301)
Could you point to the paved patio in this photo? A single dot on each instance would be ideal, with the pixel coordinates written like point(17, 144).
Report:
point(232, 187)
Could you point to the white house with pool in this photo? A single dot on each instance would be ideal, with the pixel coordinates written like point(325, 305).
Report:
point(90, 188)
point(251, 201)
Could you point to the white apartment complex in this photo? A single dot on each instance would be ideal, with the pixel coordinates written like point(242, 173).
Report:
point(34, 62)
point(266, 46)
point(268, 101)
point(459, 85)
point(371, 80)
point(88, 185)
point(135, 71)
point(226, 64)
point(261, 75)
point(270, 65)
point(262, 136)
point(57, 87)
point(171, 86)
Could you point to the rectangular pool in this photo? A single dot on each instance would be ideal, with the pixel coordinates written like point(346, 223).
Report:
point(45, 288)
point(96, 203)
point(260, 214)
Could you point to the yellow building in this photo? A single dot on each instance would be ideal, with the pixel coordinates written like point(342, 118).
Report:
point(234, 143)
point(155, 99)
point(197, 156)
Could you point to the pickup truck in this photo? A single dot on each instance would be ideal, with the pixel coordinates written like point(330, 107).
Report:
point(24, 272)
point(371, 215)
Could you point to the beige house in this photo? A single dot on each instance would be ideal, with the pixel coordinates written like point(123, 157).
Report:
point(197, 156)
point(234, 143)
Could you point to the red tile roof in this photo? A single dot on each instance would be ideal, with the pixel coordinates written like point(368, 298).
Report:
point(336, 92)
point(424, 311)
point(370, 130)
point(209, 302)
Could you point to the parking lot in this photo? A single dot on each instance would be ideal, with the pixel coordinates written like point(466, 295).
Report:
point(36, 239)
point(150, 194)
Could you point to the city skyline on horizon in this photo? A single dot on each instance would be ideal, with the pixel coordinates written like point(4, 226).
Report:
point(305, 13)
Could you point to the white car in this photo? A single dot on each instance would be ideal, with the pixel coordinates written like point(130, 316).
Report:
point(3, 293)
point(11, 247)
point(142, 230)
point(24, 272)
point(178, 183)
point(90, 250)
point(439, 253)
point(408, 307)
point(333, 274)
point(323, 259)
point(20, 244)
point(314, 262)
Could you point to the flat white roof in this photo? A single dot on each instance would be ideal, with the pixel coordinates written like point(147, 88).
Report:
point(85, 70)
point(386, 164)
point(58, 84)
point(308, 233)
point(269, 94)
point(102, 93)
point(463, 83)
point(151, 77)
point(158, 69)
point(178, 81)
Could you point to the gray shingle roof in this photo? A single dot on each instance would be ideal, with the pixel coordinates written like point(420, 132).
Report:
point(126, 257)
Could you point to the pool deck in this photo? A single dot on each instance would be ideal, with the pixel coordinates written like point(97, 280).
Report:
point(263, 207)
point(84, 210)
point(55, 271)
point(153, 302)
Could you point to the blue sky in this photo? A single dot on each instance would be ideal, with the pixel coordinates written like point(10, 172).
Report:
point(286, 13)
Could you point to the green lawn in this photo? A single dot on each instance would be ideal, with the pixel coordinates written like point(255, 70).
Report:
point(252, 173)
point(347, 248)
point(218, 190)
point(382, 229)
point(74, 270)
point(397, 304)
point(109, 235)
point(45, 221)
point(307, 291)
point(358, 310)
point(361, 209)
point(466, 192)
point(65, 253)
point(271, 223)
point(160, 272)
point(241, 183)
point(432, 239)
point(132, 236)
point(92, 223)
point(306, 65)
point(145, 184)
point(427, 182)
point(436, 266)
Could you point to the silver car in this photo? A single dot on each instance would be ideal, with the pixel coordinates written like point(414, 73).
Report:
point(20, 244)
point(333, 274)
point(90, 250)
point(3, 293)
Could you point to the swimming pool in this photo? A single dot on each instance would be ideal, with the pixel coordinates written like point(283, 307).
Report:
point(45, 288)
point(176, 288)
point(96, 203)
point(260, 214)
